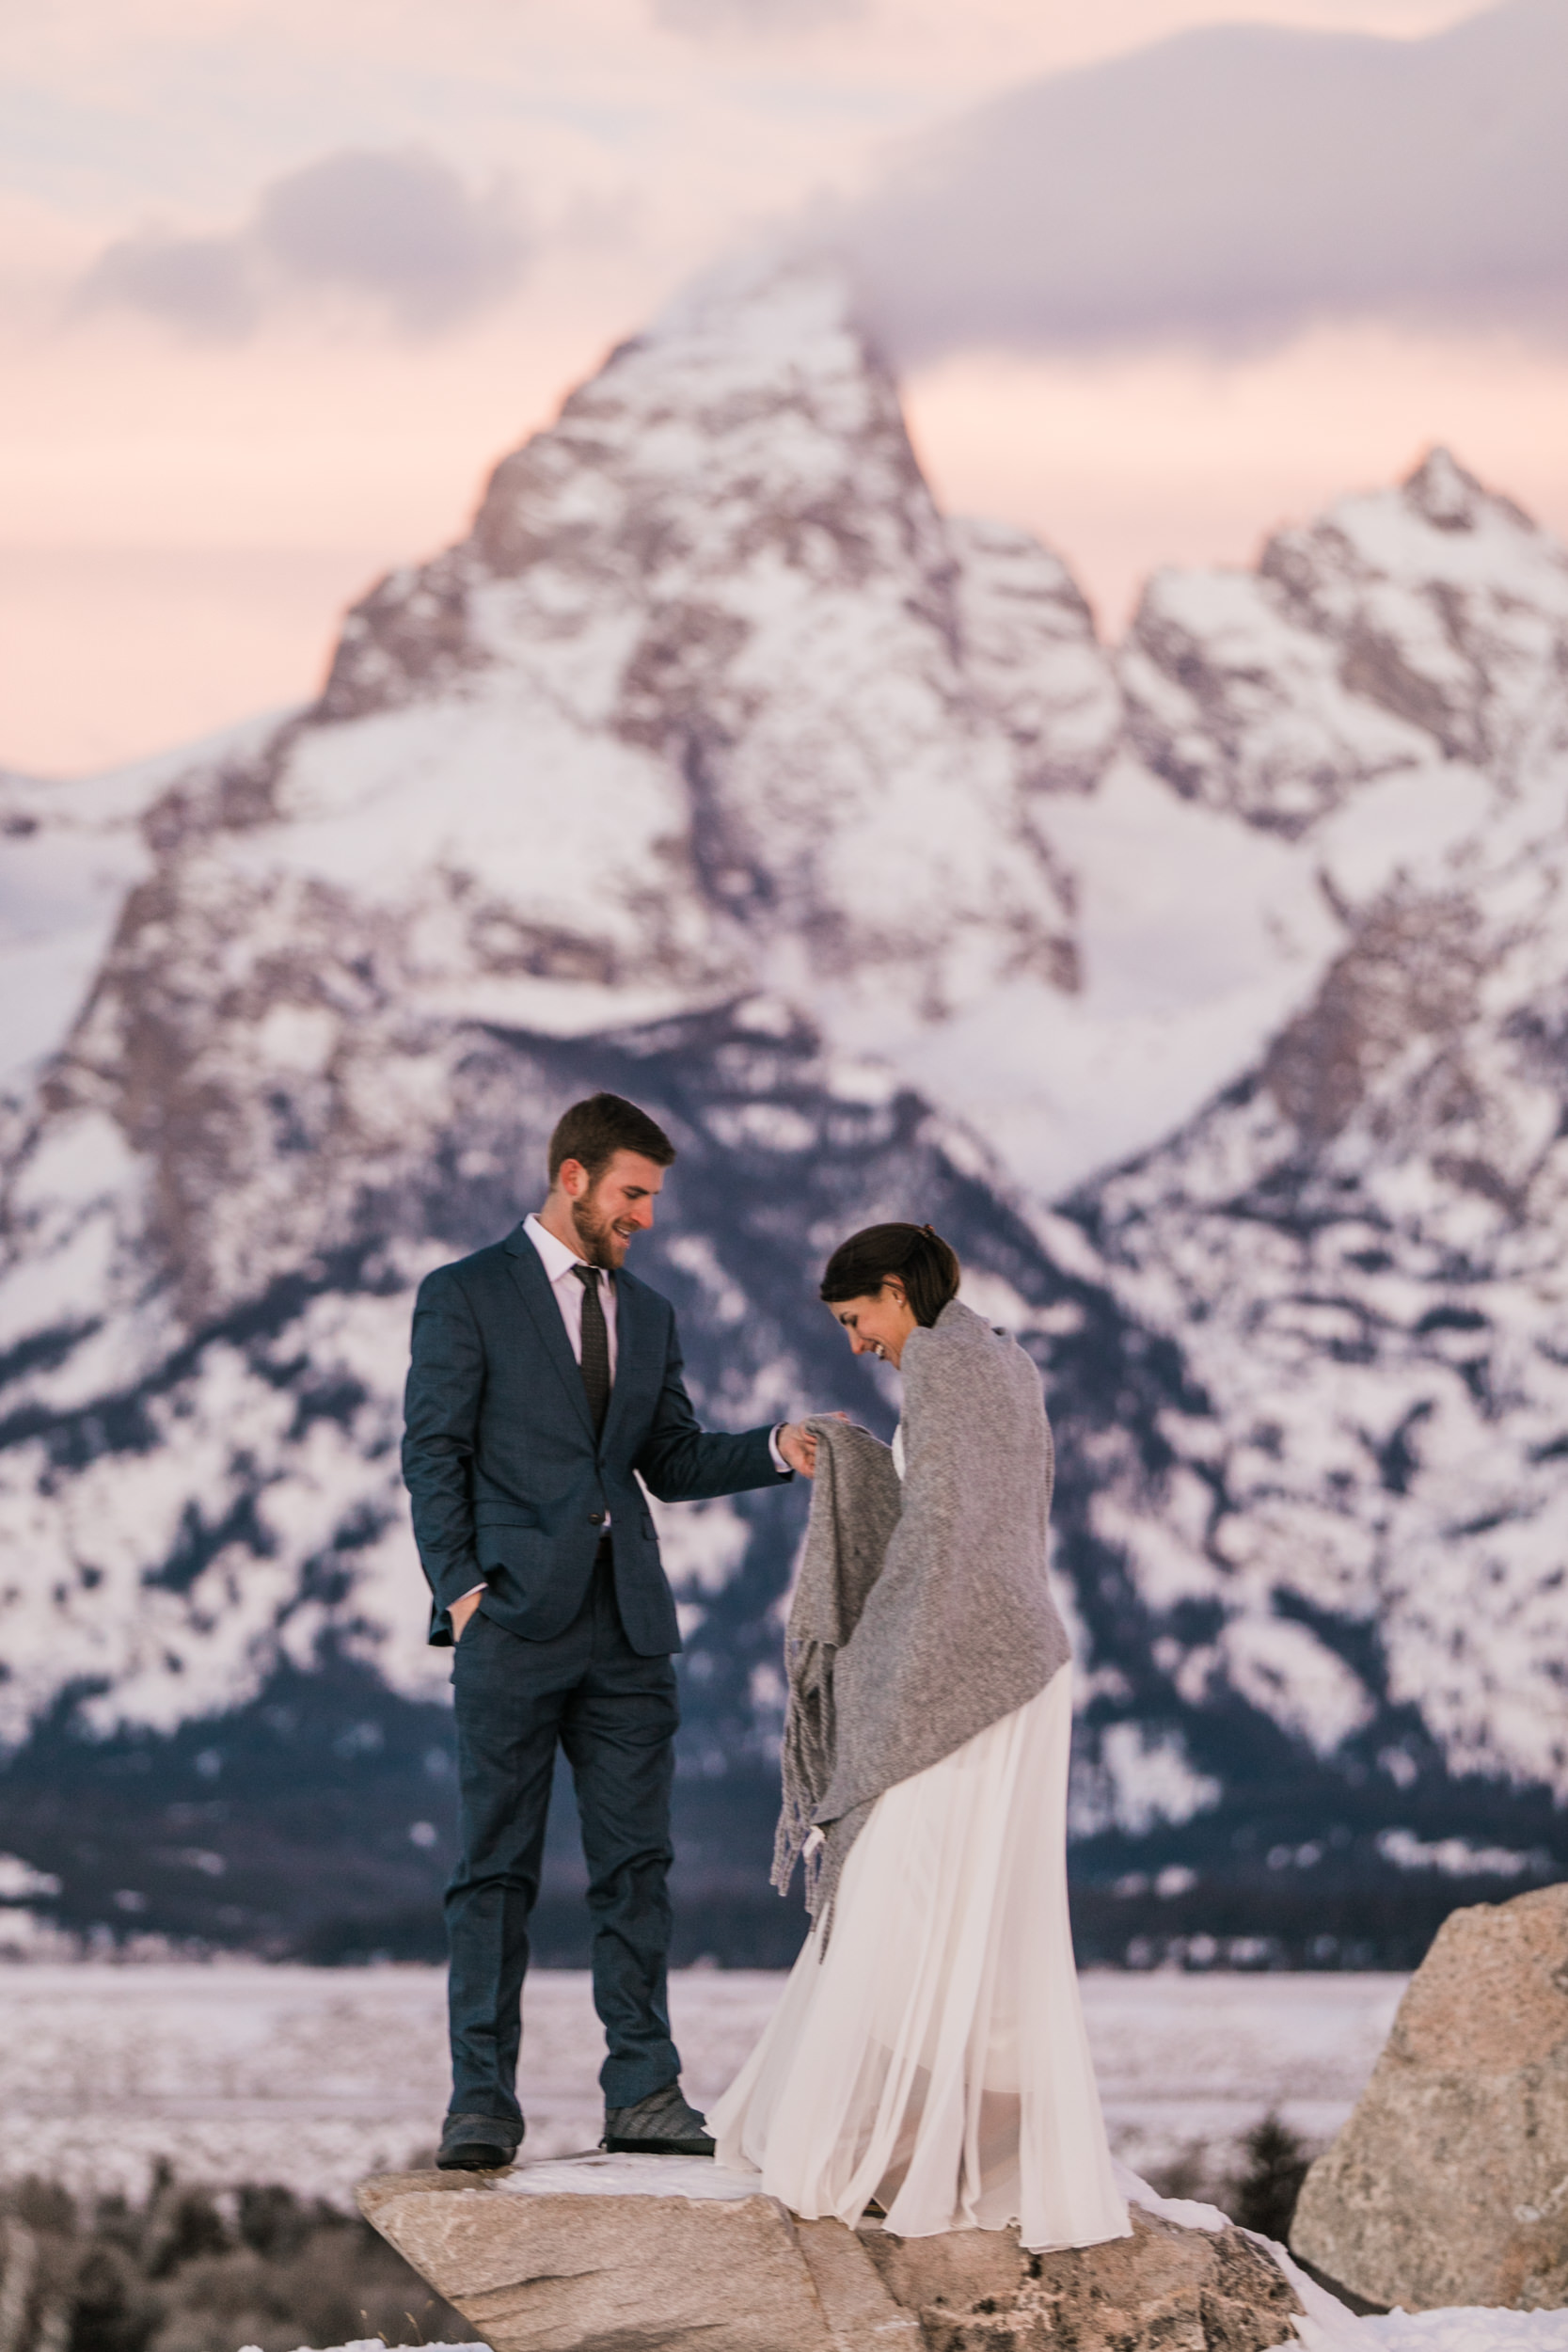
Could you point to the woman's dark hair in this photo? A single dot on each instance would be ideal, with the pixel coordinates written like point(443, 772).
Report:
point(922, 1262)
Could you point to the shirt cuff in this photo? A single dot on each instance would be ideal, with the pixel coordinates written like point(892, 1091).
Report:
point(470, 1594)
point(779, 1463)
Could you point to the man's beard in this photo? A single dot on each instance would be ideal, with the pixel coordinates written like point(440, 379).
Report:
point(600, 1244)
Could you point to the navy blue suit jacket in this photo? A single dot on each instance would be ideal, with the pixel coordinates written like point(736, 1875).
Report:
point(508, 1485)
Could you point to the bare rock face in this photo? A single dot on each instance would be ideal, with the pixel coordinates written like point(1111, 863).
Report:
point(1448, 2185)
point(1164, 2289)
point(598, 2252)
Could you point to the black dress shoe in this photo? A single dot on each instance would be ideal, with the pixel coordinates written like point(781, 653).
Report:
point(661, 2125)
point(476, 2143)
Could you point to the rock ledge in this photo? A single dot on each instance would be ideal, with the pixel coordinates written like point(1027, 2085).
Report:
point(672, 2254)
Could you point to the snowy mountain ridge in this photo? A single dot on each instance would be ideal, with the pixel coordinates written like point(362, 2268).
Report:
point(1211, 993)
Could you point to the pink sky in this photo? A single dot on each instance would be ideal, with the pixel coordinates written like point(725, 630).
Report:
point(180, 521)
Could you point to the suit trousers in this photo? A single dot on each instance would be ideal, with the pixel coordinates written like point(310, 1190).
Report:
point(616, 1714)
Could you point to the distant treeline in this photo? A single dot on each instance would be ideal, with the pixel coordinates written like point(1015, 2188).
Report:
point(193, 2270)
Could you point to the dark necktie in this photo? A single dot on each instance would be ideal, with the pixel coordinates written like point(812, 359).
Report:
point(595, 1345)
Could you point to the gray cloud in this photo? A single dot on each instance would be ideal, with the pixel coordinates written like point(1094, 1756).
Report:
point(208, 285)
point(1229, 185)
point(398, 229)
point(705, 17)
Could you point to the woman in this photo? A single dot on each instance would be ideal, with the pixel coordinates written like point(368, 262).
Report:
point(928, 2058)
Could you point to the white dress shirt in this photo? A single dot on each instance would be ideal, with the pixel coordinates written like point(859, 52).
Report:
point(558, 1263)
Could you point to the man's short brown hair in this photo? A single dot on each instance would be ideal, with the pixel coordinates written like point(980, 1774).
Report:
point(593, 1132)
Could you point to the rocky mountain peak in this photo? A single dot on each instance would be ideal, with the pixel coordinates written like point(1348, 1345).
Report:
point(722, 569)
point(1405, 627)
point(1442, 492)
point(711, 698)
point(750, 428)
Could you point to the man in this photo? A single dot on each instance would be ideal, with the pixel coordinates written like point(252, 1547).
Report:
point(545, 1380)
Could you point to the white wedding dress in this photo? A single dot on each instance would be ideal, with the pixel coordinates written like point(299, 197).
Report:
point(934, 2058)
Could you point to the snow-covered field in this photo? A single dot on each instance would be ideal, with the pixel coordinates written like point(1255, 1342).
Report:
point(316, 2077)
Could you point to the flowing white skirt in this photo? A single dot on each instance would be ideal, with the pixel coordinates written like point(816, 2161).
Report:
point(935, 2057)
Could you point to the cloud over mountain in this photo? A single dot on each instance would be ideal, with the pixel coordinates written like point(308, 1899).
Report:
point(400, 230)
point(703, 18)
point(1233, 184)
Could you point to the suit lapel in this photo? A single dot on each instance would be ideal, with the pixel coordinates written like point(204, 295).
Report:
point(632, 1330)
point(529, 1273)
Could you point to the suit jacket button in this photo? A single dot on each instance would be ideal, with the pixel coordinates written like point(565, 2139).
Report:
point(595, 1519)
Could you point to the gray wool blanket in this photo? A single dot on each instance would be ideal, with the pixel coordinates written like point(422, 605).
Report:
point(924, 1612)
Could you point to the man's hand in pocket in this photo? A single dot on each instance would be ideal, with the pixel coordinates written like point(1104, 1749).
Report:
point(461, 1610)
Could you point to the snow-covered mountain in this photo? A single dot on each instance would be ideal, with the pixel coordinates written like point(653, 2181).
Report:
point(1361, 1535)
point(1212, 995)
point(1361, 1241)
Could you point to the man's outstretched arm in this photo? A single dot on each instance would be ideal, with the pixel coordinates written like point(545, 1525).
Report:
point(682, 1462)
